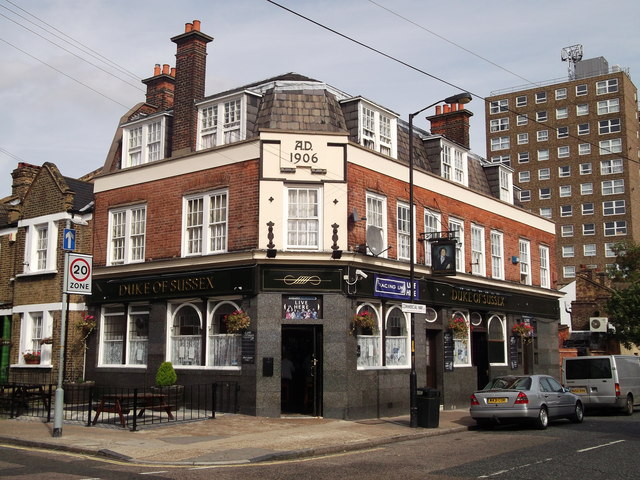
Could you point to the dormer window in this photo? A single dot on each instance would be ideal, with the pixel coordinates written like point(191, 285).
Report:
point(378, 130)
point(454, 164)
point(143, 141)
point(220, 122)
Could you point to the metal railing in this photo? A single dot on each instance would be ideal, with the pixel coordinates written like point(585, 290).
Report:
point(126, 407)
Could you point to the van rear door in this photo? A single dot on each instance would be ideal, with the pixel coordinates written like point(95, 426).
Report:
point(592, 379)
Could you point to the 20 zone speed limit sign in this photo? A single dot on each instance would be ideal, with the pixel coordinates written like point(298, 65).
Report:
point(78, 273)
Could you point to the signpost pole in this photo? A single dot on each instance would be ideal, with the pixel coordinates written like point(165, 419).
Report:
point(59, 400)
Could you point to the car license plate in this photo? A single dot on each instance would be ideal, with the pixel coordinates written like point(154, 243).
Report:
point(497, 400)
point(579, 390)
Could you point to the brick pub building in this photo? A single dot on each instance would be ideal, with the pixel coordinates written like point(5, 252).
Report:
point(288, 199)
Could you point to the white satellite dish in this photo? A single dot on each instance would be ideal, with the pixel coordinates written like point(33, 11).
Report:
point(375, 242)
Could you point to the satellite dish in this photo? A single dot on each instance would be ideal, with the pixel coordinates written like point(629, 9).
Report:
point(375, 242)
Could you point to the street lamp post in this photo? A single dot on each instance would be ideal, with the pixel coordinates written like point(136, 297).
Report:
point(463, 98)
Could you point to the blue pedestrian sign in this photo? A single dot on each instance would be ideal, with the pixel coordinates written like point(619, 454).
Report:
point(69, 239)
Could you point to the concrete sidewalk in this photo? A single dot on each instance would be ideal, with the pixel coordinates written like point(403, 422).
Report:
point(227, 439)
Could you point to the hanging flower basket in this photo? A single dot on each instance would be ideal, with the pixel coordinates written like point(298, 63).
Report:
point(363, 320)
point(237, 321)
point(86, 326)
point(459, 327)
point(31, 358)
point(524, 331)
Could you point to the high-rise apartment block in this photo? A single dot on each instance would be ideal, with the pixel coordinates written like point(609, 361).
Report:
point(573, 144)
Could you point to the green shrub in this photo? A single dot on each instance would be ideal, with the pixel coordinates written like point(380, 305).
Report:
point(166, 375)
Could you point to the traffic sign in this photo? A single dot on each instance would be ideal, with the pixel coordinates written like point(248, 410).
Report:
point(414, 308)
point(77, 275)
point(69, 239)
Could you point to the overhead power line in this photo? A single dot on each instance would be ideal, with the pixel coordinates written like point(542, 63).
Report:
point(450, 41)
point(74, 42)
point(65, 74)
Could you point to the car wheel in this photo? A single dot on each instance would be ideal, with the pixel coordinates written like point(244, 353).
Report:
point(578, 414)
point(543, 419)
point(628, 406)
point(485, 423)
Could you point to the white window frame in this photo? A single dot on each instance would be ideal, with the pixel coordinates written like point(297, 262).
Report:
point(499, 124)
point(525, 195)
point(587, 208)
point(522, 120)
point(545, 274)
point(611, 105)
point(542, 116)
point(432, 224)
point(403, 231)
point(500, 143)
point(525, 261)
point(523, 138)
point(542, 135)
point(544, 173)
point(562, 132)
point(185, 350)
point(566, 210)
point(615, 228)
point(581, 90)
point(568, 251)
point(222, 121)
point(457, 225)
point(612, 187)
point(586, 188)
point(609, 126)
point(608, 147)
point(586, 168)
point(462, 346)
point(607, 86)
point(223, 351)
point(377, 129)
point(546, 212)
point(500, 320)
point(588, 229)
point(564, 190)
point(377, 217)
point(131, 241)
point(566, 231)
point(397, 347)
point(205, 232)
point(459, 166)
point(41, 245)
point(521, 101)
point(523, 157)
point(309, 220)
point(370, 346)
point(499, 106)
point(478, 263)
point(569, 271)
point(614, 207)
point(562, 112)
point(589, 250)
point(612, 166)
point(582, 109)
point(35, 324)
point(544, 193)
point(143, 141)
point(564, 171)
point(564, 151)
point(543, 155)
point(497, 255)
point(584, 149)
point(608, 250)
point(541, 97)
point(561, 93)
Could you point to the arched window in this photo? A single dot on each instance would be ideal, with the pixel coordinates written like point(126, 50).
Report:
point(497, 345)
point(369, 340)
point(186, 335)
point(461, 341)
point(396, 338)
point(224, 349)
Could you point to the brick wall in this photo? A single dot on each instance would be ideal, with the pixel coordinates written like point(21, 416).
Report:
point(362, 180)
point(164, 209)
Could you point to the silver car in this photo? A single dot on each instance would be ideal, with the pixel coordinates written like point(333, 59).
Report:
point(533, 398)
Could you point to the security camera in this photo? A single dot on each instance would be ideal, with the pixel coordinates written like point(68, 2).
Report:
point(360, 273)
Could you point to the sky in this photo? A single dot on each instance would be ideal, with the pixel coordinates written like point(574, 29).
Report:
point(62, 104)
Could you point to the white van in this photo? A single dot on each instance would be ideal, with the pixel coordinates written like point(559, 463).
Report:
point(606, 381)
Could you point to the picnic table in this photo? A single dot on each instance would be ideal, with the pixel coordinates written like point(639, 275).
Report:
point(123, 403)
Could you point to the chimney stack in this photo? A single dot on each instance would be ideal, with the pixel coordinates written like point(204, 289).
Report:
point(452, 121)
point(191, 59)
point(161, 87)
point(23, 176)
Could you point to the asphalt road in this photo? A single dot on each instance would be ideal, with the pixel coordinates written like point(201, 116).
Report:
point(603, 447)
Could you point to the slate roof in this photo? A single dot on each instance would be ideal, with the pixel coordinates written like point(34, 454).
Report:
point(83, 192)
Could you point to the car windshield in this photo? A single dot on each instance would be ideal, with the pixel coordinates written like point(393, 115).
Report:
point(509, 383)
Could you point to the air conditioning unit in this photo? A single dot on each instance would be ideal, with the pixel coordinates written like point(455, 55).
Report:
point(598, 324)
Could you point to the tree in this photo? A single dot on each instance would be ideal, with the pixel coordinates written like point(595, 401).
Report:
point(624, 306)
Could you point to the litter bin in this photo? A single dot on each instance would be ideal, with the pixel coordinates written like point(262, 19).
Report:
point(428, 403)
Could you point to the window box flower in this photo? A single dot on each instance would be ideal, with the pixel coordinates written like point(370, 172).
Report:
point(524, 331)
point(237, 321)
point(363, 320)
point(458, 325)
point(31, 357)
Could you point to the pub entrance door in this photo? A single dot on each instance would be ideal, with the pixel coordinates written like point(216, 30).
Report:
point(301, 390)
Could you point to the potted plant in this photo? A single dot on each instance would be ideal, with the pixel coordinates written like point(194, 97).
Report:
point(458, 325)
point(237, 321)
point(31, 358)
point(78, 391)
point(524, 331)
point(363, 320)
point(166, 379)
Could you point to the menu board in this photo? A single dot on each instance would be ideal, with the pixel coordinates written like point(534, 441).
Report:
point(448, 351)
point(248, 347)
point(513, 352)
